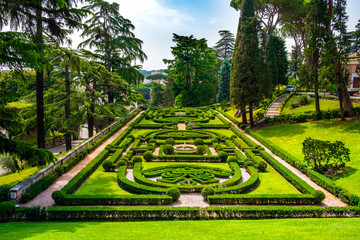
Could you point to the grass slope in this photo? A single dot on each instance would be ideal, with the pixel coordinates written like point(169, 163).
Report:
point(290, 137)
point(230, 229)
point(14, 178)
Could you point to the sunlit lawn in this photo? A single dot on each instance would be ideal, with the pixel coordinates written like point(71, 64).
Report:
point(15, 178)
point(147, 165)
point(311, 228)
point(290, 137)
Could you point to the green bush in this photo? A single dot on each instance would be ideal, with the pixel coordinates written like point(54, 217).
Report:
point(4, 193)
point(207, 191)
point(148, 156)
point(174, 193)
point(168, 149)
point(248, 163)
point(200, 150)
point(262, 166)
point(35, 214)
point(7, 210)
point(137, 159)
point(107, 165)
point(170, 141)
point(152, 141)
point(223, 156)
point(319, 196)
point(121, 163)
point(198, 141)
point(232, 159)
point(58, 197)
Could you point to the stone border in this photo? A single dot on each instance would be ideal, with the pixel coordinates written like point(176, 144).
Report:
point(18, 190)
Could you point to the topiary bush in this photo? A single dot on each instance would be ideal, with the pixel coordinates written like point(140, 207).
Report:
point(232, 159)
point(4, 193)
point(7, 210)
point(198, 141)
point(58, 197)
point(170, 141)
point(223, 156)
point(248, 163)
point(152, 141)
point(137, 159)
point(107, 165)
point(168, 149)
point(148, 156)
point(319, 196)
point(174, 193)
point(35, 214)
point(262, 166)
point(121, 163)
point(200, 150)
point(207, 191)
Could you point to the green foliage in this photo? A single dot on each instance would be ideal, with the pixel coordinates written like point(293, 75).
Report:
point(148, 156)
point(137, 159)
point(319, 196)
point(58, 197)
point(207, 191)
point(225, 46)
point(7, 210)
point(198, 141)
point(192, 72)
point(170, 141)
point(223, 156)
point(168, 149)
point(107, 165)
point(35, 214)
point(174, 193)
point(325, 156)
point(224, 84)
point(200, 150)
point(4, 193)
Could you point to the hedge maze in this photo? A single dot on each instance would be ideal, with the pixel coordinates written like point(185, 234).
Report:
point(154, 163)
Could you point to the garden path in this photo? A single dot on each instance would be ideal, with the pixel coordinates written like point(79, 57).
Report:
point(181, 126)
point(45, 199)
point(273, 109)
point(330, 199)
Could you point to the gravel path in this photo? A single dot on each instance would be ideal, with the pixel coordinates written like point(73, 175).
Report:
point(45, 199)
point(181, 126)
point(330, 199)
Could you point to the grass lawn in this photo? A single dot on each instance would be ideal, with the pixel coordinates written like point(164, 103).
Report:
point(225, 132)
point(215, 121)
point(271, 182)
point(290, 137)
point(14, 178)
point(334, 228)
point(324, 105)
point(138, 132)
point(101, 182)
point(147, 165)
point(233, 110)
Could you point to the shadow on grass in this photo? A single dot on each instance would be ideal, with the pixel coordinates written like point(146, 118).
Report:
point(283, 130)
point(344, 174)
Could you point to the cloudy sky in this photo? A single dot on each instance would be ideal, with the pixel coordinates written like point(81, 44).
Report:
point(157, 20)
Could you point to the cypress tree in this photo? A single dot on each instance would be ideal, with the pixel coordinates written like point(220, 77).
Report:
point(246, 63)
point(224, 84)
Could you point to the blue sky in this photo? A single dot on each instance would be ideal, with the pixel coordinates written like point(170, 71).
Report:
point(157, 20)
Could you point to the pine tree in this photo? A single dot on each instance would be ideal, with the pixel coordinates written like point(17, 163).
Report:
point(225, 46)
point(224, 84)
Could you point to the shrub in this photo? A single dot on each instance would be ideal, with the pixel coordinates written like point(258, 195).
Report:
point(223, 156)
point(215, 140)
point(319, 196)
point(35, 213)
point(152, 141)
point(219, 148)
point(232, 159)
point(7, 210)
point(262, 166)
point(58, 197)
point(207, 191)
point(10, 162)
point(148, 156)
point(198, 141)
point(188, 127)
point(170, 141)
point(200, 150)
point(107, 165)
point(4, 193)
point(174, 193)
point(248, 163)
point(168, 149)
point(137, 159)
point(121, 163)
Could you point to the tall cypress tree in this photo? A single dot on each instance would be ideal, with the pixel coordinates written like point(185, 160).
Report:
point(246, 63)
point(224, 84)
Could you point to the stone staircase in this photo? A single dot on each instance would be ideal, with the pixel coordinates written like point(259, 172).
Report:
point(273, 109)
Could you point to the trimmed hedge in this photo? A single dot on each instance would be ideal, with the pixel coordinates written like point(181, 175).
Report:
point(187, 158)
point(195, 213)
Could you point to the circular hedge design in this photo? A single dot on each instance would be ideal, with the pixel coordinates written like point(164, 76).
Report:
point(187, 174)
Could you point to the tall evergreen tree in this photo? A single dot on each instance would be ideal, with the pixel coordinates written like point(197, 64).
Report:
point(52, 18)
point(355, 38)
point(224, 83)
point(225, 46)
point(245, 83)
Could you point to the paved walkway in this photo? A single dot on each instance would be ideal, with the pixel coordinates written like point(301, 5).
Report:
point(273, 109)
point(45, 199)
point(330, 199)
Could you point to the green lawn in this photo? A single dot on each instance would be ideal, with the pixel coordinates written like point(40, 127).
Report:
point(290, 137)
point(147, 165)
point(138, 132)
point(101, 182)
point(225, 132)
point(342, 228)
point(15, 178)
point(324, 105)
point(271, 182)
point(233, 110)
point(215, 121)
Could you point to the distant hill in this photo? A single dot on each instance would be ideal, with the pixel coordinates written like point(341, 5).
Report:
point(147, 73)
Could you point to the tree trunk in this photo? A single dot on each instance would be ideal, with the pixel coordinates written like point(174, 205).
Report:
point(316, 80)
point(251, 116)
point(243, 115)
point(67, 108)
point(108, 64)
point(90, 120)
point(342, 115)
point(40, 86)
